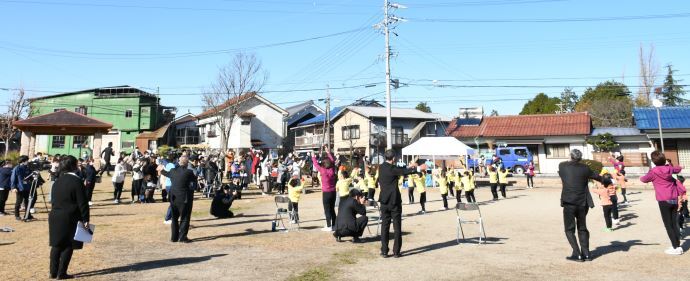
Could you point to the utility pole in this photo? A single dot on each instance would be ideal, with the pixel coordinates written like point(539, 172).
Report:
point(388, 19)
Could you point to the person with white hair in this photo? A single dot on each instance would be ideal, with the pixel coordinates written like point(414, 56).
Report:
point(576, 201)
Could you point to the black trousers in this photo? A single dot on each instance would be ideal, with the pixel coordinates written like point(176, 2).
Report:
point(391, 212)
point(530, 180)
point(181, 213)
point(422, 200)
point(669, 216)
point(329, 207)
point(371, 193)
point(469, 195)
point(445, 200)
point(607, 215)
point(503, 190)
point(59, 260)
point(22, 198)
point(136, 189)
point(295, 206)
point(576, 217)
point(410, 194)
point(494, 190)
point(3, 198)
point(360, 224)
point(117, 192)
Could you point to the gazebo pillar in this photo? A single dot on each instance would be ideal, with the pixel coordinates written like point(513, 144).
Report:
point(28, 144)
point(96, 151)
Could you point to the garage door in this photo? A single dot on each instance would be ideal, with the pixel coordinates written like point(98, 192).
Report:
point(684, 153)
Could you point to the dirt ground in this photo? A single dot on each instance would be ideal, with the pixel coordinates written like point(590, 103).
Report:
point(525, 241)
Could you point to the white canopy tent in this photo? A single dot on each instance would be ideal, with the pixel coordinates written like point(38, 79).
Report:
point(445, 148)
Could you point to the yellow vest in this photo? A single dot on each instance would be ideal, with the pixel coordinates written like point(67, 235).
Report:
point(294, 192)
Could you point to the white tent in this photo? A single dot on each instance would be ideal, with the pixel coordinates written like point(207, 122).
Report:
point(437, 148)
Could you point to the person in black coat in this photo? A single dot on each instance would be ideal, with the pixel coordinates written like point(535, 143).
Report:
point(181, 198)
point(347, 223)
point(70, 206)
point(391, 202)
point(576, 201)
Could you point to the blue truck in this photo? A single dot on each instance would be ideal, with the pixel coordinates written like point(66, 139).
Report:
point(514, 159)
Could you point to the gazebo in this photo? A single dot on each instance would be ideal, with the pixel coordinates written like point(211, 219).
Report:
point(62, 122)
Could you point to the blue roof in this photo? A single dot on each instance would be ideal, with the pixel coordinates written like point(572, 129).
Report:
point(321, 117)
point(672, 117)
point(616, 132)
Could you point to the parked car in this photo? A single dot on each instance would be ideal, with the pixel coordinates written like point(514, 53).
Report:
point(514, 159)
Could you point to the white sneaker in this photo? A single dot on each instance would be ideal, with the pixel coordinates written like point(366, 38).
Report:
point(167, 222)
point(32, 211)
point(675, 252)
point(90, 203)
point(326, 228)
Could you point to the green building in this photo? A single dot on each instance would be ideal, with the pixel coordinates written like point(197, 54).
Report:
point(130, 110)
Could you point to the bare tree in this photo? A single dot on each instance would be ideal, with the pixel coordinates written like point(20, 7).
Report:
point(648, 72)
point(243, 75)
point(16, 109)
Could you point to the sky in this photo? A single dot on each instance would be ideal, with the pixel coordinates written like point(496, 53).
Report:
point(496, 54)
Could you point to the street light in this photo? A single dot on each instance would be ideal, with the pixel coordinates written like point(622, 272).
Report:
point(658, 104)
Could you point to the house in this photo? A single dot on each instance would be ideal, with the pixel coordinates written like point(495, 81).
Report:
point(257, 123)
point(675, 129)
point(549, 137)
point(632, 144)
point(296, 115)
point(361, 130)
point(130, 110)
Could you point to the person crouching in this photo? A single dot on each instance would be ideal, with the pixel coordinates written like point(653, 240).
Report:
point(347, 223)
point(222, 201)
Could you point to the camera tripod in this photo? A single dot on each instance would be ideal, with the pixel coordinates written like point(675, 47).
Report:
point(34, 177)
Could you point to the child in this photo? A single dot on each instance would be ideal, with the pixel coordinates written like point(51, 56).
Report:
point(295, 187)
point(442, 181)
point(468, 186)
point(493, 181)
point(420, 185)
point(606, 204)
point(667, 192)
point(371, 175)
point(503, 181)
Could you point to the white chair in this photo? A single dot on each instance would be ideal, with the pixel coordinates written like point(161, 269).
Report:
point(374, 215)
point(467, 208)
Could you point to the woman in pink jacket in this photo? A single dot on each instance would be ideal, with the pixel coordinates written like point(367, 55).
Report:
point(667, 193)
point(327, 172)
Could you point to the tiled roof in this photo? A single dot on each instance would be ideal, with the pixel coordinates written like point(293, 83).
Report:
point(525, 126)
point(673, 117)
point(616, 132)
point(226, 104)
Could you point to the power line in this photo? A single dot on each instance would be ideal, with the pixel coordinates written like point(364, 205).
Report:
point(555, 20)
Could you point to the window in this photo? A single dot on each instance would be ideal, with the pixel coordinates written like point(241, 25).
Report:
point(350, 132)
point(79, 141)
point(58, 109)
point(128, 113)
point(58, 142)
point(81, 110)
point(557, 150)
point(503, 152)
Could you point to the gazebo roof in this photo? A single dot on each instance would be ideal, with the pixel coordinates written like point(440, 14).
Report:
point(63, 122)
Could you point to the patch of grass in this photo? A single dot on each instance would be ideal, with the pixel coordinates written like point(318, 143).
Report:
point(319, 273)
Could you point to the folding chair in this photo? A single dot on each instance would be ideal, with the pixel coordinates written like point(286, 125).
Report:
point(282, 202)
point(468, 207)
point(375, 211)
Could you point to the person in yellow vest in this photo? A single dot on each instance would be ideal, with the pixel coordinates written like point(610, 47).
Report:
point(295, 187)
point(468, 186)
point(370, 176)
point(493, 181)
point(420, 186)
point(452, 179)
point(503, 181)
point(442, 181)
